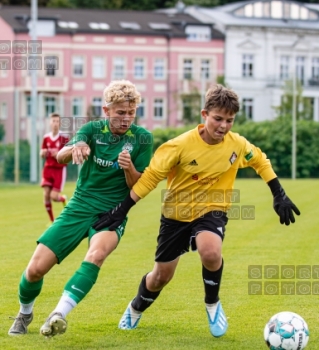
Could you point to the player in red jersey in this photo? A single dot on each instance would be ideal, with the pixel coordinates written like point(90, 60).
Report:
point(54, 174)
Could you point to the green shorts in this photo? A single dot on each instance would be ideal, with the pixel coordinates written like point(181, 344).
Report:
point(71, 227)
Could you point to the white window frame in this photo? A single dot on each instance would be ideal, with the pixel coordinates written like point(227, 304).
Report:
point(140, 112)
point(118, 67)
point(97, 103)
point(248, 65)
point(315, 68)
point(284, 67)
point(98, 67)
point(188, 69)
point(78, 66)
point(77, 102)
point(300, 68)
point(248, 107)
point(4, 111)
point(139, 68)
point(159, 68)
point(158, 108)
point(50, 105)
point(205, 69)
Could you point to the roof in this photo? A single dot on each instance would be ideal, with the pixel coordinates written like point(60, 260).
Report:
point(223, 16)
point(99, 21)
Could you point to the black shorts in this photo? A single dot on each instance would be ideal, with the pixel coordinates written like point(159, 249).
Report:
point(175, 237)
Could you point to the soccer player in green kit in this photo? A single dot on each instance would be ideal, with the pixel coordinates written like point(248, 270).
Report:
point(114, 152)
point(200, 166)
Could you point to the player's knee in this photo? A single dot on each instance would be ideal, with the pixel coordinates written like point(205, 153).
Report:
point(34, 272)
point(96, 256)
point(210, 255)
point(159, 280)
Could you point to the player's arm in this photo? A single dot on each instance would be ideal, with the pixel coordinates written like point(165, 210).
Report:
point(282, 204)
point(78, 153)
point(77, 149)
point(164, 159)
point(43, 150)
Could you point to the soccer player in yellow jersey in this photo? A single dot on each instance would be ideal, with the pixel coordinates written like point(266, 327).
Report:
point(200, 166)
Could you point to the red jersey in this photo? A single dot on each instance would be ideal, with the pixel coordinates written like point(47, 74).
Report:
point(53, 144)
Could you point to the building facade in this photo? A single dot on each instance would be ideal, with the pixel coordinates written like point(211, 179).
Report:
point(267, 44)
point(78, 52)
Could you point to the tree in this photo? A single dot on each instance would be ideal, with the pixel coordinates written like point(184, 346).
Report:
point(304, 108)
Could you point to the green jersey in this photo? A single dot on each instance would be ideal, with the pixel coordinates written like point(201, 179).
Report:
point(101, 183)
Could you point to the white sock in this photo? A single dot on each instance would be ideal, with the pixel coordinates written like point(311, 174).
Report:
point(134, 314)
point(212, 308)
point(26, 309)
point(65, 305)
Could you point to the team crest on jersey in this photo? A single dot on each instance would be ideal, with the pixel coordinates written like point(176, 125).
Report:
point(127, 147)
point(233, 157)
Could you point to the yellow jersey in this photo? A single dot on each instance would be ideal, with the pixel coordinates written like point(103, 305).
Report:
point(200, 177)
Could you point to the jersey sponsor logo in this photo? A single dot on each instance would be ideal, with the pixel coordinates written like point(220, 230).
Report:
point(127, 147)
point(249, 155)
point(101, 143)
point(193, 163)
point(195, 177)
point(106, 163)
point(233, 157)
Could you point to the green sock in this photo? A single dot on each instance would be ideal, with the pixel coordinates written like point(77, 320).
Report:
point(82, 281)
point(28, 291)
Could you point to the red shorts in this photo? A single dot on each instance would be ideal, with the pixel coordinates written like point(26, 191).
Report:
point(54, 178)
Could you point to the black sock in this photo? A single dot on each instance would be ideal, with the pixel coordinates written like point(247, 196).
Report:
point(144, 298)
point(212, 281)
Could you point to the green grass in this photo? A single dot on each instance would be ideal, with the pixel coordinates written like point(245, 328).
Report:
point(177, 320)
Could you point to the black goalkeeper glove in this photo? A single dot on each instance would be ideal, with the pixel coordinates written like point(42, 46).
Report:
point(283, 206)
point(114, 217)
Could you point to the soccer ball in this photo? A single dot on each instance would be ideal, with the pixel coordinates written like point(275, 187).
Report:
point(286, 331)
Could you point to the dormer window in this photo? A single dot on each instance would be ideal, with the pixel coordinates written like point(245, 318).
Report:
point(130, 25)
point(277, 10)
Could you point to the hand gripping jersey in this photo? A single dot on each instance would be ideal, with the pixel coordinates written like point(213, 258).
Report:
point(101, 181)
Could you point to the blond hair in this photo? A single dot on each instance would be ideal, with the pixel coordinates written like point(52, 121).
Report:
point(119, 91)
point(221, 98)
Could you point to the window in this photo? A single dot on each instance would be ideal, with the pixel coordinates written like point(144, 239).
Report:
point(248, 65)
point(98, 67)
point(198, 33)
point(188, 69)
point(315, 68)
point(4, 111)
point(205, 71)
point(78, 66)
point(50, 65)
point(300, 68)
point(284, 67)
point(118, 68)
point(159, 26)
point(139, 69)
point(49, 105)
point(159, 68)
point(130, 25)
point(98, 26)
point(248, 107)
point(77, 107)
point(97, 106)
point(28, 106)
point(158, 108)
point(140, 112)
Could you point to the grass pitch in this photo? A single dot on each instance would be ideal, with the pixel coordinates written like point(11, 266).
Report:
point(177, 320)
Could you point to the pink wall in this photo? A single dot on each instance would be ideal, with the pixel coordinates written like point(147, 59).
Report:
point(128, 46)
